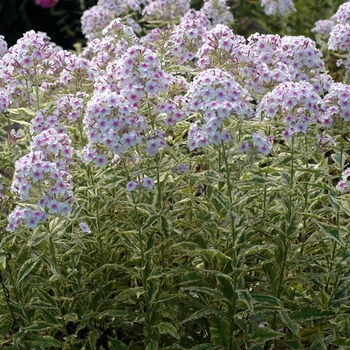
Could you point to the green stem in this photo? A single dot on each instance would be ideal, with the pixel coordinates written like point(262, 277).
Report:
point(232, 345)
point(159, 187)
point(15, 324)
point(57, 290)
point(17, 295)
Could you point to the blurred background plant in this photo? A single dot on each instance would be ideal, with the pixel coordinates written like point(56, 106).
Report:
point(61, 22)
point(61, 19)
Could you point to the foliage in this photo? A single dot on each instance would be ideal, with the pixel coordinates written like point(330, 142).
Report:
point(185, 190)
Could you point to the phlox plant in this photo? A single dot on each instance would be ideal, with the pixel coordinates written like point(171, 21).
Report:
point(175, 185)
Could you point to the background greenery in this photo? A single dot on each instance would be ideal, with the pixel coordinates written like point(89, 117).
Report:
point(62, 23)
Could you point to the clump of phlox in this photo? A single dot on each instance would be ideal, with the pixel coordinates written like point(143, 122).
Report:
point(217, 12)
point(99, 16)
point(262, 142)
point(94, 20)
point(336, 104)
point(214, 96)
point(268, 60)
point(198, 16)
point(111, 124)
point(117, 38)
point(139, 74)
point(339, 38)
point(296, 104)
point(184, 41)
point(42, 181)
point(165, 9)
point(220, 48)
point(55, 146)
point(277, 7)
point(324, 27)
point(24, 65)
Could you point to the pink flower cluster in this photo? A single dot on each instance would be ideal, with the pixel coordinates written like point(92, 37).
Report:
point(336, 104)
point(184, 41)
point(216, 96)
point(339, 37)
point(277, 7)
point(294, 103)
point(166, 9)
point(111, 122)
point(42, 184)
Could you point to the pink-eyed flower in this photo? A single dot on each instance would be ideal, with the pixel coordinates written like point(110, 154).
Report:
point(131, 186)
point(25, 217)
point(84, 227)
point(262, 143)
point(181, 168)
point(148, 182)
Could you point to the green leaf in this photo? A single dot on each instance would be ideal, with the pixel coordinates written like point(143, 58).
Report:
point(339, 159)
point(331, 232)
point(342, 342)
point(166, 327)
point(204, 313)
point(26, 268)
point(214, 253)
point(36, 239)
point(92, 339)
point(266, 299)
point(212, 292)
point(318, 343)
point(219, 331)
point(205, 346)
point(116, 344)
point(226, 287)
point(152, 345)
point(22, 110)
point(262, 335)
point(44, 341)
point(129, 293)
point(150, 220)
point(85, 319)
point(293, 326)
point(244, 295)
point(152, 289)
point(311, 313)
point(39, 326)
point(113, 313)
point(47, 297)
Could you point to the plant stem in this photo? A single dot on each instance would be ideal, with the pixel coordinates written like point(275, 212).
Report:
point(232, 343)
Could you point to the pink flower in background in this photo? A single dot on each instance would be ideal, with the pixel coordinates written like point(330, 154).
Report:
point(46, 3)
